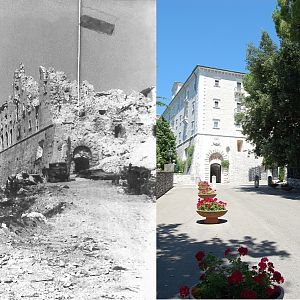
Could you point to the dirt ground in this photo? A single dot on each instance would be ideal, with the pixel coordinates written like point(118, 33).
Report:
point(100, 246)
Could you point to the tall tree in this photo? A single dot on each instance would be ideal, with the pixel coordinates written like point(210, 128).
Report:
point(165, 143)
point(272, 108)
point(286, 17)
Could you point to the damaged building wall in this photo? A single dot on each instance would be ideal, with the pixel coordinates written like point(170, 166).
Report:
point(42, 123)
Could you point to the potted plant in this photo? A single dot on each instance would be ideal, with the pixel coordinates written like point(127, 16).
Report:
point(231, 278)
point(205, 190)
point(211, 209)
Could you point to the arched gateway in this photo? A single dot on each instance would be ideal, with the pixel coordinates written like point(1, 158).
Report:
point(82, 156)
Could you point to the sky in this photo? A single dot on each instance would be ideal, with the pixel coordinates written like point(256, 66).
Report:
point(44, 32)
point(211, 33)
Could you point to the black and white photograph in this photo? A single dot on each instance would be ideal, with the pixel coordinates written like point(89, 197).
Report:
point(77, 149)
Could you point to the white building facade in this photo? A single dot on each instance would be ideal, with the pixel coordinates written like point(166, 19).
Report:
point(201, 114)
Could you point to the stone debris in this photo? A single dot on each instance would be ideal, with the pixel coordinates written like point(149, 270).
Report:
point(36, 216)
point(44, 123)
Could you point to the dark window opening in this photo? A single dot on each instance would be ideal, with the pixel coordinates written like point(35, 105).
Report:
point(119, 131)
point(102, 111)
point(11, 137)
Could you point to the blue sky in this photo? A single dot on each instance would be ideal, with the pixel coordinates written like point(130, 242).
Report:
point(212, 33)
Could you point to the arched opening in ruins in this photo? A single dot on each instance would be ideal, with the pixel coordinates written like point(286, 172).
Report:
point(82, 156)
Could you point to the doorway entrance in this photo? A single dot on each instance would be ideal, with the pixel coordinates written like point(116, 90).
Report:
point(82, 156)
point(215, 170)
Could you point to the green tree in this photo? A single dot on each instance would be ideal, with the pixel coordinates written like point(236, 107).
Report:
point(286, 17)
point(272, 110)
point(165, 143)
point(159, 102)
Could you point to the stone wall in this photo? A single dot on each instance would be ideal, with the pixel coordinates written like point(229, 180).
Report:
point(164, 182)
point(43, 122)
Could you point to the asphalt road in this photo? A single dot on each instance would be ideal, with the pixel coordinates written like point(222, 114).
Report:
point(265, 220)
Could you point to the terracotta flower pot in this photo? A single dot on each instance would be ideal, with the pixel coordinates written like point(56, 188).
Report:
point(278, 296)
point(211, 216)
point(207, 195)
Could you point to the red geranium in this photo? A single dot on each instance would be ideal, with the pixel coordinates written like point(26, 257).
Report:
point(277, 277)
point(248, 294)
point(262, 266)
point(264, 259)
point(199, 255)
point(227, 251)
point(235, 277)
point(184, 291)
point(243, 250)
point(258, 278)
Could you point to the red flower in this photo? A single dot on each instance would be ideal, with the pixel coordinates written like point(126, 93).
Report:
point(202, 276)
point(235, 277)
point(258, 278)
point(277, 277)
point(264, 259)
point(248, 294)
point(184, 291)
point(271, 270)
point(262, 266)
point(227, 251)
point(199, 255)
point(270, 264)
point(243, 250)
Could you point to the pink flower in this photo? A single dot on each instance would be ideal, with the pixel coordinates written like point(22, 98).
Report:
point(264, 259)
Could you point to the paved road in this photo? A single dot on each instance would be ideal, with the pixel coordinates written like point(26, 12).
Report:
point(265, 220)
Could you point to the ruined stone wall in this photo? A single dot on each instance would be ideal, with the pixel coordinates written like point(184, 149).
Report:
point(45, 122)
point(28, 155)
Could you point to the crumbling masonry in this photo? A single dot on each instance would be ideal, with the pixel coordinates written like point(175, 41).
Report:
point(43, 123)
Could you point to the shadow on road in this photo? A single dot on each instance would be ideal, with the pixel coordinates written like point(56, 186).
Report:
point(176, 264)
point(221, 221)
point(266, 190)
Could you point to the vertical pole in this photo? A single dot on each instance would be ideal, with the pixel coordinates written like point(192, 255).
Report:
point(78, 53)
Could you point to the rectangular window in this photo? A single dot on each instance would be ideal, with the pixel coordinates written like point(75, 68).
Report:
point(192, 127)
point(217, 82)
point(216, 123)
point(216, 103)
point(239, 145)
point(29, 125)
point(238, 86)
point(238, 107)
point(193, 107)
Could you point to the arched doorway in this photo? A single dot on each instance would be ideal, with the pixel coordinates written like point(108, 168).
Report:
point(82, 156)
point(215, 170)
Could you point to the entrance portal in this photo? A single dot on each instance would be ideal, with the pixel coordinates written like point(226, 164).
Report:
point(82, 156)
point(215, 170)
